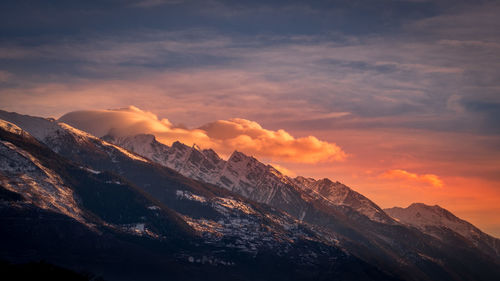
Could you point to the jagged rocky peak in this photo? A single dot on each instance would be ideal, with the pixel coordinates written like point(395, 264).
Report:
point(313, 183)
point(237, 156)
point(250, 167)
point(211, 154)
point(249, 177)
point(242, 161)
point(303, 181)
point(336, 193)
point(180, 145)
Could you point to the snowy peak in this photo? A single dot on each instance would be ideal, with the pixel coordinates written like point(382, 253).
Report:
point(237, 156)
point(250, 178)
point(436, 212)
point(303, 181)
point(60, 136)
point(204, 165)
point(212, 155)
point(437, 221)
point(336, 193)
point(142, 144)
point(249, 169)
point(421, 215)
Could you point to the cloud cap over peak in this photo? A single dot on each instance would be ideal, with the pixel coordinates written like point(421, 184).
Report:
point(224, 136)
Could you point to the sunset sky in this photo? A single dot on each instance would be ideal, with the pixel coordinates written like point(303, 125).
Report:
point(398, 99)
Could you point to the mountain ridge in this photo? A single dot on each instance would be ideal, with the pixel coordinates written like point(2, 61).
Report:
point(229, 173)
point(128, 218)
point(224, 218)
point(322, 189)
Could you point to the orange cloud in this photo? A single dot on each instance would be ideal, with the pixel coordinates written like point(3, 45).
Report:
point(283, 170)
point(224, 136)
point(405, 175)
point(250, 137)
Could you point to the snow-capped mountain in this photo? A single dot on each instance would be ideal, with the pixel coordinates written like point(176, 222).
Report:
point(238, 215)
point(438, 222)
point(213, 231)
point(216, 224)
point(247, 176)
point(252, 179)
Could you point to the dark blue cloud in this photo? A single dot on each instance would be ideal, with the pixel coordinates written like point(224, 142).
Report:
point(60, 17)
point(487, 111)
point(374, 59)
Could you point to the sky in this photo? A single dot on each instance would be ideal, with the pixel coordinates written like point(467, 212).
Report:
point(398, 99)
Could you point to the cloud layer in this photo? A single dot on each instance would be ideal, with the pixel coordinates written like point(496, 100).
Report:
point(430, 179)
point(415, 86)
point(224, 136)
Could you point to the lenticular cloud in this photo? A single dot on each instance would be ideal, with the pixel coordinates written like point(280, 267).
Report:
point(224, 136)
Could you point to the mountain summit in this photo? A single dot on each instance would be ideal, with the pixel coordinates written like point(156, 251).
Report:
point(441, 223)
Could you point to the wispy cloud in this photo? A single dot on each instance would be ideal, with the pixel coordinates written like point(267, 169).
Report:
point(371, 78)
point(430, 179)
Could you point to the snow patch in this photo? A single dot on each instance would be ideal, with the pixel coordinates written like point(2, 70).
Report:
point(233, 204)
point(25, 174)
point(182, 194)
point(114, 182)
point(10, 127)
point(126, 152)
point(95, 172)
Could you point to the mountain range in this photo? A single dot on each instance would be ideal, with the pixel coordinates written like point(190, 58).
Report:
point(133, 208)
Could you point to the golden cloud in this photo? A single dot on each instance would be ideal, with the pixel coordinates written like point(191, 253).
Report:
point(405, 175)
point(224, 136)
point(283, 170)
